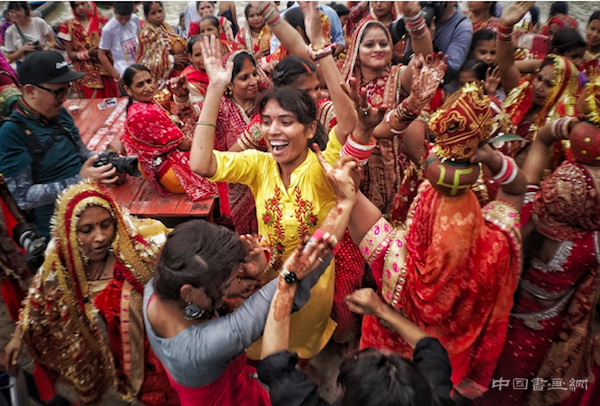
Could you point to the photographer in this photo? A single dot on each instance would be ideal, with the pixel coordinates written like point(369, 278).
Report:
point(27, 34)
point(41, 152)
point(452, 36)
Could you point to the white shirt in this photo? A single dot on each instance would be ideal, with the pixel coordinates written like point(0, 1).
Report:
point(36, 31)
point(121, 41)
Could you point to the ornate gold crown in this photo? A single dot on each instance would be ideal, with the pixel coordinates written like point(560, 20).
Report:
point(462, 123)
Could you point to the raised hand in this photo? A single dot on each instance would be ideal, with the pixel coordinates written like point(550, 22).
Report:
point(340, 176)
point(515, 12)
point(492, 80)
point(428, 74)
point(306, 259)
point(219, 77)
point(179, 86)
point(312, 21)
point(255, 261)
point(410, 8)
point(368, 116)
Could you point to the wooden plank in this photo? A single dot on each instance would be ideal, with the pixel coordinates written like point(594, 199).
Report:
point(98, 128)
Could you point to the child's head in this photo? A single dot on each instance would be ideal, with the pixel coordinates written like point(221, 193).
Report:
point(182, 19)
point(483, 46)
point(209, 25)
point(569, 43)
point(473, 70)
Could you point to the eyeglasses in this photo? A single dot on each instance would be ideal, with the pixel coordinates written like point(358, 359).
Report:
point(58, 93)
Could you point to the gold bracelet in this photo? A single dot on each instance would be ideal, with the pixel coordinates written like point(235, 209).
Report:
point(206, 124)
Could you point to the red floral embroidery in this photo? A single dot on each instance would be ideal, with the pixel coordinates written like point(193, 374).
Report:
point(272, 218)
point(304, 214)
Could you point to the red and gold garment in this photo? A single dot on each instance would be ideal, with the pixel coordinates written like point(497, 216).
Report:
point(382, 172)
point(246, 41)
point(556, 343)
point(559, 103)
point(97, 82)
point(60, 316)
point(154, 138)
point(490, 24)
point(452, 269)
point(198, 83)
point(156, 43)
point(559, 21)
point(224, 23)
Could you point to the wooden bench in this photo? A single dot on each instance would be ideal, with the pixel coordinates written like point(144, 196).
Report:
point(98, 128)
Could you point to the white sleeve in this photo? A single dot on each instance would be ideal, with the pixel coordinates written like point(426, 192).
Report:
point(106, 38)
point(43, 27)
point(10, 45)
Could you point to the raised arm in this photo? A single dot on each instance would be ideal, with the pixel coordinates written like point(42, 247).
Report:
point(420, 37)
point(328, 70)
point(366, 301)
point(287, 35)
point(505, 57)
point(202, 159)
point(505, 172)
point(537, 157)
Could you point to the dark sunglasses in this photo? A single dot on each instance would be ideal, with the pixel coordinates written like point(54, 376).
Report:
point(58, 93)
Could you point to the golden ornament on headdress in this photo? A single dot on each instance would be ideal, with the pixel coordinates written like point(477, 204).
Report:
point(462, 123)
point(591, 94)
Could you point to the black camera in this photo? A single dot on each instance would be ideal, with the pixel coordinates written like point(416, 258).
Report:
point(429, 8)
point(123, 164)
point(26, 236)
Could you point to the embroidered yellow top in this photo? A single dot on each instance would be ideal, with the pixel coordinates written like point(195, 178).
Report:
point(285, 217)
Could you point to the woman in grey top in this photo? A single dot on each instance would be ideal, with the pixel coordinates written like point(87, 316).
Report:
point(203, 353)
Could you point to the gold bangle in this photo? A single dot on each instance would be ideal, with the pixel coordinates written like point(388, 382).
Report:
point(207, 124)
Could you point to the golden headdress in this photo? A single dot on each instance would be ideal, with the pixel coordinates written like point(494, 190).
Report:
point(464, 121)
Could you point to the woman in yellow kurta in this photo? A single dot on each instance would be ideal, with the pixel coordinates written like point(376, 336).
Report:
point(291, 191)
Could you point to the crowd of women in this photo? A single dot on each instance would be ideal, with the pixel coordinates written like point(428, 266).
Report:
point(448, 238)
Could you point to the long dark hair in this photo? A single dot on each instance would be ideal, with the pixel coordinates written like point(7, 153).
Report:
point(128, 75)
point(200, 254)
point(300, 104)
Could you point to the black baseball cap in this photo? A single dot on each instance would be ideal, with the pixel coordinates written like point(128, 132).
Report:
point(46, 67)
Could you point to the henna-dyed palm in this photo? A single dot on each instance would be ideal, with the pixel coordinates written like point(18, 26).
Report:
point(304, 261)
point(428, 73)
point(339, 175)
point(368, 116)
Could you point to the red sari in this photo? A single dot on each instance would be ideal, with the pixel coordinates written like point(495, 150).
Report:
point(97, 82)
point(452, 269)
point(155, 45)
point(151, 135)
point(154, 389)
point(556, 343)
point(383, 172)
point(559, 103)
